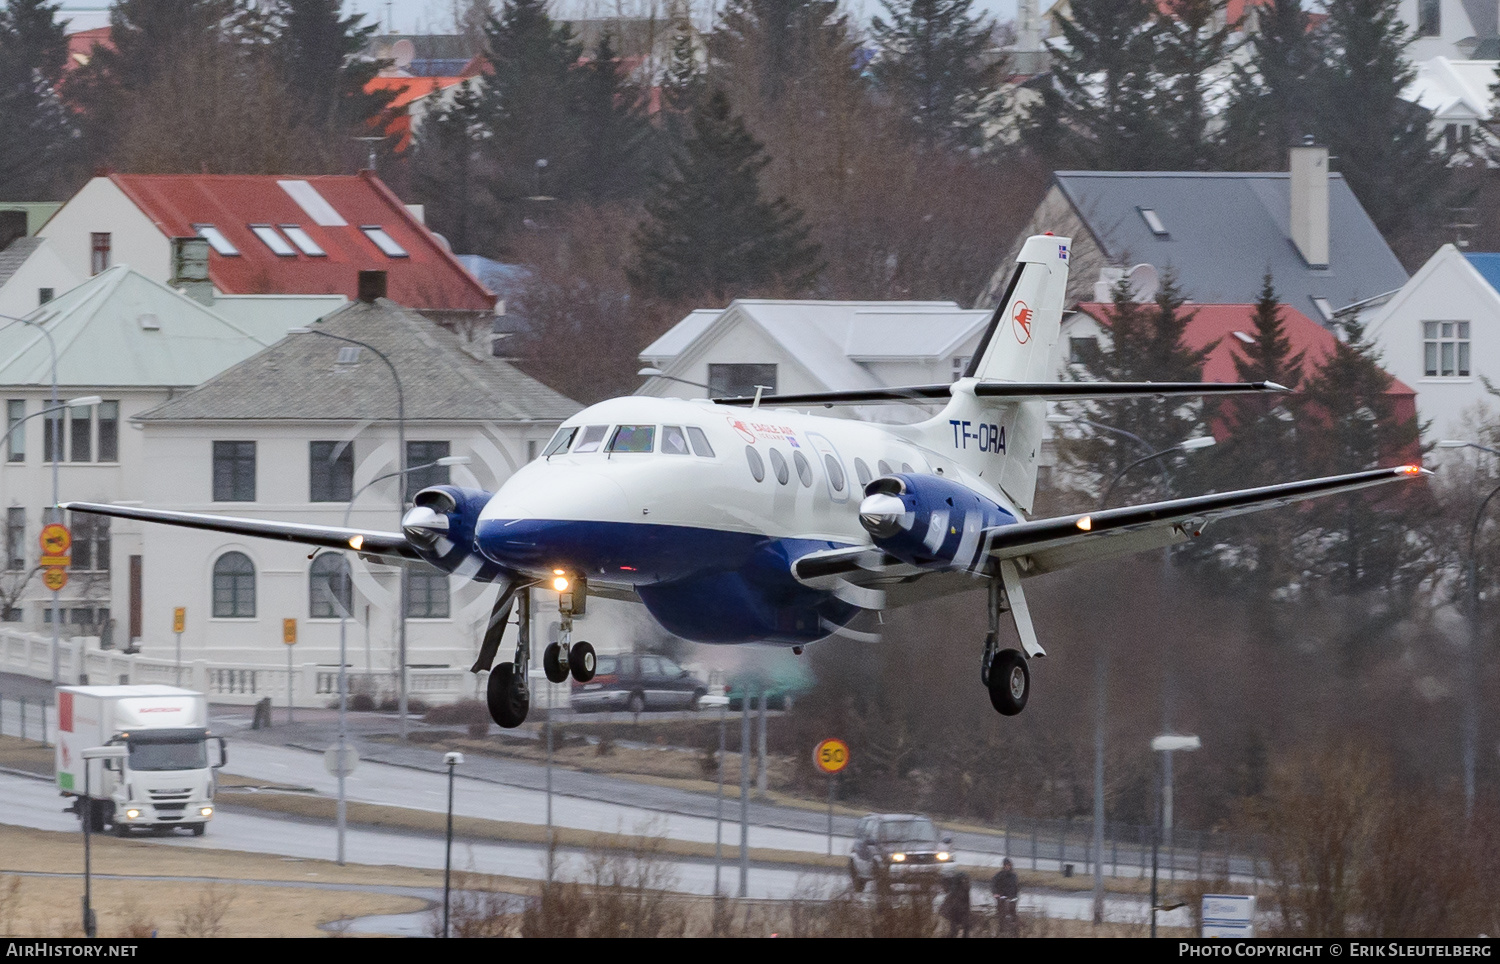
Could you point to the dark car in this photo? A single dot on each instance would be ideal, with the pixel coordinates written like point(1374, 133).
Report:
point(898, 849)
point(636, 682)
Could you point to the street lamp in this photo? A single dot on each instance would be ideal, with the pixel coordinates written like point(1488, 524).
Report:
point(343, 768)
point(1166, 745)
point(116, 752)
point(1471, 654)
point(452, 760)
point(400, 506)
point(1101, 659)
point(56, 457)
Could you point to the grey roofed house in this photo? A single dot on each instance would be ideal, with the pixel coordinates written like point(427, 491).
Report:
point(307, 377)
point(1220, 233)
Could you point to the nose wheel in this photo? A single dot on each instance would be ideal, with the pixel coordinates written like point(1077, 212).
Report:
point(560, 661)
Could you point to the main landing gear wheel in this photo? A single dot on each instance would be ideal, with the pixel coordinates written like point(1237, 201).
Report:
point(552, 664)
point(581, 662)
point(508, 697)
point(1009, 682)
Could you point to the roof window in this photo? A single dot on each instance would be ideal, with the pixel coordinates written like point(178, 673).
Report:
point(383, 241)
point(1324, 308)
point(348, 355)
point(216, 240)
point(1153, 222)
point(313, 203)
point(1242, 336)
point(303, 241)
point(274, 241)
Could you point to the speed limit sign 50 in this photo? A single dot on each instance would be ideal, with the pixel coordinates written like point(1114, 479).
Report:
point(831, 756)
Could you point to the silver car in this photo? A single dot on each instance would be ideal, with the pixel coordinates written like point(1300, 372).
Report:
point(898, 849)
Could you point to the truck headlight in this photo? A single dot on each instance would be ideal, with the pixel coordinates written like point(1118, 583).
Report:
point(898, 858)
point(206, 812)
point(944, 855)
point(132, 814)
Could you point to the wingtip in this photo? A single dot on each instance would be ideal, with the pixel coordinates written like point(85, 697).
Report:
point(1412, 470)
point(1275, 387)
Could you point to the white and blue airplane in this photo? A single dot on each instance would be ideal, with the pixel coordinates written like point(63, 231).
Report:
point(754, 521)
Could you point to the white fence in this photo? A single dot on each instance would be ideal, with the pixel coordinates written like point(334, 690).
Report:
point(312, 684)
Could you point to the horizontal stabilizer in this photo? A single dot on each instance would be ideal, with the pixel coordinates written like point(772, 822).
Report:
point(1013, 391)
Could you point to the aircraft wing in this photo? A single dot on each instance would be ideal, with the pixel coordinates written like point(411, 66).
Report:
point(390, 546)
point(1046, 545)
point(1017, 391)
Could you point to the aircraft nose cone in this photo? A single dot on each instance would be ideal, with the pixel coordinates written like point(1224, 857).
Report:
point(882, 514)
point(423, 526)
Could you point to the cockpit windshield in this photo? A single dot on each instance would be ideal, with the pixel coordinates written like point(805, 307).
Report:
point(633, 438)
point(560, 441)
point(593, 437)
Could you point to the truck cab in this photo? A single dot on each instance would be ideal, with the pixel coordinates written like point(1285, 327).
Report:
point(168, 777)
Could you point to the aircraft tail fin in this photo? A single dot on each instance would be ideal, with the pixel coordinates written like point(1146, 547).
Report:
point(1000, 439)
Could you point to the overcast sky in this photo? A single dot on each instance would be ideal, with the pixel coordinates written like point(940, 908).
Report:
point(435, 16)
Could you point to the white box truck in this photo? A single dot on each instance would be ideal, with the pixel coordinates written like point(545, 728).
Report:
point(167, 780)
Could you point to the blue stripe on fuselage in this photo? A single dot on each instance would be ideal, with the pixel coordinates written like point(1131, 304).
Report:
point(706, 585)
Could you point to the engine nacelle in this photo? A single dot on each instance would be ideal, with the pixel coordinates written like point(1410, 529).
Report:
point(440, 527)
point(929, 521)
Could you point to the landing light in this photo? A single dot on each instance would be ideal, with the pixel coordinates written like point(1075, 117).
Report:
point(355, 542)
point(1086, 523)
point(560, 584)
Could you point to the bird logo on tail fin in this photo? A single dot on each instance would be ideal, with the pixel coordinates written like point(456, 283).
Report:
point(1021, 315)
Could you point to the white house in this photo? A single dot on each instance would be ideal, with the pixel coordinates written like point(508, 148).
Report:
point(1457, 92)
point(134, 343)
point(1456, 29)
point(792, 347)
point(298, 432)
point(31, 272)
point(1440, 334)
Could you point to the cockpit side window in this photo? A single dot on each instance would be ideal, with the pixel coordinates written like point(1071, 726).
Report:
point(673, 440)
point(560, 441)
point(633, 438)
point(593, 436)
point(701, 447)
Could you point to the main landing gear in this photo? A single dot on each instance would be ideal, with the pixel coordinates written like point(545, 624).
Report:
point(1004, 672)
point(508, 694)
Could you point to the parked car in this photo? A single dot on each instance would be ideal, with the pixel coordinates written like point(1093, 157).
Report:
point(898, 849)
point(635, 682)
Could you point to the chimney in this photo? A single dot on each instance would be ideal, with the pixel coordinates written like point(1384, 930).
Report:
point(12, 226)
point(190, 269)
point(371, 286)
point(1309, 168)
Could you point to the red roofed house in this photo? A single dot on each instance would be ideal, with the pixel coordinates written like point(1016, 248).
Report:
point(267, 235)
point(1229, 326)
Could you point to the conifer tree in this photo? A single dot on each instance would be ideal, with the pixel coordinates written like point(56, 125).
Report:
point(613, 132)
point(1101, 109)
point(447, 169)
point(41, 137)
point(709, 234)
point(528, 105)
point(1271, 103)
point(325, 80)
point(1193, 41)
point(1381, 140)
point(1353, 424)
point(934, 64)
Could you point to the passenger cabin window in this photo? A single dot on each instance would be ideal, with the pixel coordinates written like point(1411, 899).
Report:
point(701, 447)
point(835, 473)
point(778, 465)
point(673, 440)
point(593, 437)
point(633, 438)
point(884, 467)
point(862, 471)
point(757, 464)
point(804, 470)
point(560, 441)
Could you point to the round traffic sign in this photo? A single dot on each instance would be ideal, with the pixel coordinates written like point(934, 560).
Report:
point(831, 756)
point(56, 539)
point(331, 761)
point(54, 578)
